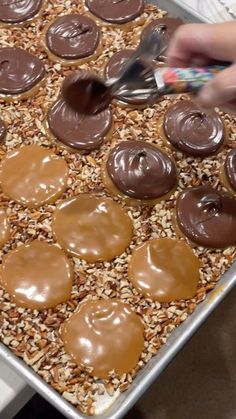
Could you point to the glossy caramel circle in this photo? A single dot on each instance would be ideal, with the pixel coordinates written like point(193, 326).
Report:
point(105, 336)
point(32, 176)
point(164, 270)
point(37, 275)
point(4, 228)
point(92, 228)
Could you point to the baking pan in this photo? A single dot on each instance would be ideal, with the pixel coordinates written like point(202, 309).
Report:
point(117, 406)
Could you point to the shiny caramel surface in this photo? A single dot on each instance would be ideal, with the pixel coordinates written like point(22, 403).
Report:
point(164, 270)
point(105, 336)
point(33, 176)
point(92, 228)
point(4, 228)
point(37, 275)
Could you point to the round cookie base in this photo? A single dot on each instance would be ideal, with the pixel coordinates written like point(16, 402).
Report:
point(24, 95)
point(225, 183)
point(12, 25)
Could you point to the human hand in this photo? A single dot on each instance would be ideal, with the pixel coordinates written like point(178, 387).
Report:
point(199, 45)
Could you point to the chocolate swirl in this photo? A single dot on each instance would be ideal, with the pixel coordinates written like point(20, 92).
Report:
point(116, 11)
point(207, 217)
point(20, 71)
point(166, 28)
point(72, 37)
point(230, 168)
point(192, 131)
point(3, 130)
point(85, 132)
point(141, 170)
point(16, 11)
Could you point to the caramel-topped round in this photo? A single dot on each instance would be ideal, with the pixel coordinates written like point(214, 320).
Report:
point(4, 228)
point(92, 228)
point(230, 168)
point(33, 176)
point(37, 275)
point(207, 217)
point(116, 11)
point(3, 130)
point(105, 336)
point(77, 131)
point(164, 270)
point(192, 131)
point(17, 11)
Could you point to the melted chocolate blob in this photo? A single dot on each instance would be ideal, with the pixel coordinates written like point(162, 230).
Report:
point(192, 131)
point(74, 130)
point(141, 170)
point(230, 168)
point(207, 217)
point(85, 93)
point(116, 11)
point(104, 336)
point(3, 130)
point(72, 37)
point(20, 71)
point(17, 11)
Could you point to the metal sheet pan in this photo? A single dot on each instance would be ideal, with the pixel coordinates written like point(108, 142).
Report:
point(120, 404)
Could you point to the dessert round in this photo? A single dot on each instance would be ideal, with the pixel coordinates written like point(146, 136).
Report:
point(140, 173)
point(5, 231)
point(72, 39)
point(206, 217)
point(21, 74)
point(92, 228)
point(228, 172)
point(33, 176)
point(77, 132)
point(188, 129)
point(164, 270)
point(19, 12)
point(37, 275)
point(3, 130)
point(104, 336)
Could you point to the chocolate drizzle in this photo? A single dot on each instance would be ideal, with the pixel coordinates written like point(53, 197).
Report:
point(192, 131)
point(230, 168)
point(72, 37)
point(17, 11)
point(116, 11)
point(141, 170)
point(207, 217)
point(20, 71)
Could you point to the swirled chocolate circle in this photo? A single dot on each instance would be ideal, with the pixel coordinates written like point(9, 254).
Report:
point(207, 217)
point(230, 168)
point(116, 11)
point(165, 27)
point(17, 11)
point(74, 130)
point(104, 336)
point(72, 37)
point(140, 170)
point(3, 130)
point(192, 131)
point(20, 71)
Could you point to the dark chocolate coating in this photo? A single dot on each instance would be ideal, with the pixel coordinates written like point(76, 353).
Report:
point(207, 217)
point(230, 168)
point(116, 11)
point(72, 37)
point(140, 170)
point(192, 131)
point(3, 130)
point(166, 27)
point(82, 132)
point(20, 71)
point(16, 11)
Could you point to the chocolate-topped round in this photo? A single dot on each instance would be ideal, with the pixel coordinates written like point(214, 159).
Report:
point(192, 131)
point(3, 130)
point(116, 11)
point(85, 132)
point(165, 27)
point(72, 37)
point(17, 11)
point(207, 217)
point(230, 168)
point(141, 170)
point(20, 71)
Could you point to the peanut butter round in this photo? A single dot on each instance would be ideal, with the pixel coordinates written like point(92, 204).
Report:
point(33, 176)
point(92, 228)
point(164, 270)
point(104, 336)
point(37, 275)
point(4, 228)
